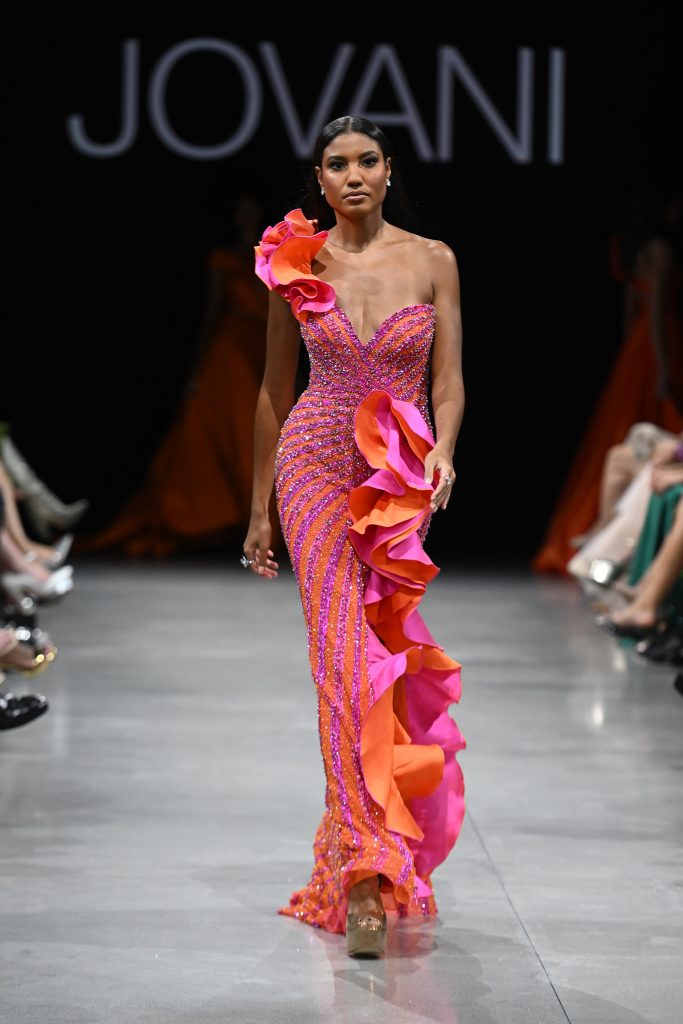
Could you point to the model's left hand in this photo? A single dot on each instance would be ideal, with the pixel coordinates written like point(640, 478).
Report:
point(434, 461)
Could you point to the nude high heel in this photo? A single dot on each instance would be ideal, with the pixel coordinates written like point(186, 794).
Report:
point(19, 585)
point(61, 550)
point(366, 932)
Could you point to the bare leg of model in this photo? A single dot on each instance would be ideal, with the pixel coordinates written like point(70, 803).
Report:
point(619, 469)
point(657, 581)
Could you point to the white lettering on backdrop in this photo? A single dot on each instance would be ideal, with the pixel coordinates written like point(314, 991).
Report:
point(451, 71)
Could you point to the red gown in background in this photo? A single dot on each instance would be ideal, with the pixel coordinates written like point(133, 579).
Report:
point(200, 481)
point(629, 396)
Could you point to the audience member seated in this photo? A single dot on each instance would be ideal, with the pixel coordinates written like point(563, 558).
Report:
point(626, 489)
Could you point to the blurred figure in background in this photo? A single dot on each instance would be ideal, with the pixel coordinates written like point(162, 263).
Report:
point(646, 382)
point(654, 614)
point(198, 487)
point(627, 484)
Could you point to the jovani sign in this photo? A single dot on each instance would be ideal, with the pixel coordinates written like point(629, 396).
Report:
point(265, 81)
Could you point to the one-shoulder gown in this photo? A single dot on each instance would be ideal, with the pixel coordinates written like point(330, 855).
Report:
point(354, 510)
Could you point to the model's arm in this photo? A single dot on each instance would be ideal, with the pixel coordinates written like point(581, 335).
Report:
point(447, 387)
point(275, 400)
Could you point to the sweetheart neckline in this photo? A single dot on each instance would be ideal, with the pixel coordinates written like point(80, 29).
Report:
point(387, 319)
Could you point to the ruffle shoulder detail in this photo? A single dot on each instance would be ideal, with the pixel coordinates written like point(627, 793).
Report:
point(283, 260)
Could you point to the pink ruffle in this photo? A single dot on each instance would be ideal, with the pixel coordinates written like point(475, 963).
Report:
point(387, 511)
point(283, 262)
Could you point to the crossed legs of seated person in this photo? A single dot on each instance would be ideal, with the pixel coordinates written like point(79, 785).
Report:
point(643, 614)
point(620, 467)
point(22, 575)
point(51, 556)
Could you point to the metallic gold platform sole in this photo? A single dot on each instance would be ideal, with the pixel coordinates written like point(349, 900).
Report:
point(366, 935)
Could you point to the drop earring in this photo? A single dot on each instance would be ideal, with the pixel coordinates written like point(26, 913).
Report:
point(388, 181)
point(322, 191)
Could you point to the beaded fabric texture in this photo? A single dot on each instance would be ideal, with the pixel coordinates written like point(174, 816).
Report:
point(354, 510)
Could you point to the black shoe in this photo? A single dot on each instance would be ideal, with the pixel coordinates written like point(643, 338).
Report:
point(665, 647)
point(15, 711)
point(607, 623)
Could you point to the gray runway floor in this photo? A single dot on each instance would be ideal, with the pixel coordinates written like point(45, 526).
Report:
point(155, 818)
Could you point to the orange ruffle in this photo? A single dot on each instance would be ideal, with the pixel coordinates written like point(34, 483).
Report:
point(408, 741)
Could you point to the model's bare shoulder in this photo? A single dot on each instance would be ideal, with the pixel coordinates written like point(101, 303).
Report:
point(432, 249)
point(439, 254)
point(442, 265)
point(436, 254)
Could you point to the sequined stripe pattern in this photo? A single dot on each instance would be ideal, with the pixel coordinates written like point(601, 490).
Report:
point(339, 671)
point(327, 580)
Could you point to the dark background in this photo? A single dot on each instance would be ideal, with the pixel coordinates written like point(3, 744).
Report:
point(106, 274)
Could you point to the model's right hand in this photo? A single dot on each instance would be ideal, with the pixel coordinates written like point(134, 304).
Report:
point(256, 546)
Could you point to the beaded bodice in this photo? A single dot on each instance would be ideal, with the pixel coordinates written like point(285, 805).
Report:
point(344, 371)
point(396, 358)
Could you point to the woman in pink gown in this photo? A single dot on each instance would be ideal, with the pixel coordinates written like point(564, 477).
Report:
point(358, 474)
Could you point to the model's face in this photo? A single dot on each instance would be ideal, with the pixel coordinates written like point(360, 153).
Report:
point(354, 173)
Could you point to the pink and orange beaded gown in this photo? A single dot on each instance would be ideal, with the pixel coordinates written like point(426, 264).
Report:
point(354, 510)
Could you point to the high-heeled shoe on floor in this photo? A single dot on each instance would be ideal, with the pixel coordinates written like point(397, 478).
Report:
point(16, 711)
point(366, 932)
point(61, 549)
point(20, 584)
point(664, 647)
point(635, 632)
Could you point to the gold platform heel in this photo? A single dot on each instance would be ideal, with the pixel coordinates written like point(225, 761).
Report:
point(366, 933)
